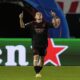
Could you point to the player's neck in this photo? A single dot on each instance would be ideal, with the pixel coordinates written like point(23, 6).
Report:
point(38, 21)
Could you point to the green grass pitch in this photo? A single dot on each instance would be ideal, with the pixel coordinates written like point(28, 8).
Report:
point(48, 73)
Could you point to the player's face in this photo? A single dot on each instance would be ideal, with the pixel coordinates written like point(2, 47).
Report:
point(38, 16)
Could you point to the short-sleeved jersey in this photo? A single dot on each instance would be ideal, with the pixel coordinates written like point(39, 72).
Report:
point(39, 33)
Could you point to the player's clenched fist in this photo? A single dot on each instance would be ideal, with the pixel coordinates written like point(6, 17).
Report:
point(56, 22)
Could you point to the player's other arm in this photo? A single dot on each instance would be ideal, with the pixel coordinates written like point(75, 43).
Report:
point(22, 24)
point(55, 20)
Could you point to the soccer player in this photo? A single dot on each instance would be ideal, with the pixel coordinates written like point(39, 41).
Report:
point(39, 30)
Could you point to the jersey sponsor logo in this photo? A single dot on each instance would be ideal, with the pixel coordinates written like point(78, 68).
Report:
point(39, 30)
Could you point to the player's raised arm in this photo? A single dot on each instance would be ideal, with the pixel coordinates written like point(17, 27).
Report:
point(22, 24)
point(55, 20)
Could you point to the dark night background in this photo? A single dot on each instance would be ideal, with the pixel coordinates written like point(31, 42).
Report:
point(9, 21)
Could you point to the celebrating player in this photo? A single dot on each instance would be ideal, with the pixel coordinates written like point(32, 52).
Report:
point(39, 30)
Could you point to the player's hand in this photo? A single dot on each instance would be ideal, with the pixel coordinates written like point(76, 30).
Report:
point(56, 22)
point(22, 25)
point(21, 15)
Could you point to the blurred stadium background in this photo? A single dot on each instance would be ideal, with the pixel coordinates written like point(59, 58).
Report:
point(10, 28)
point(9, 20)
